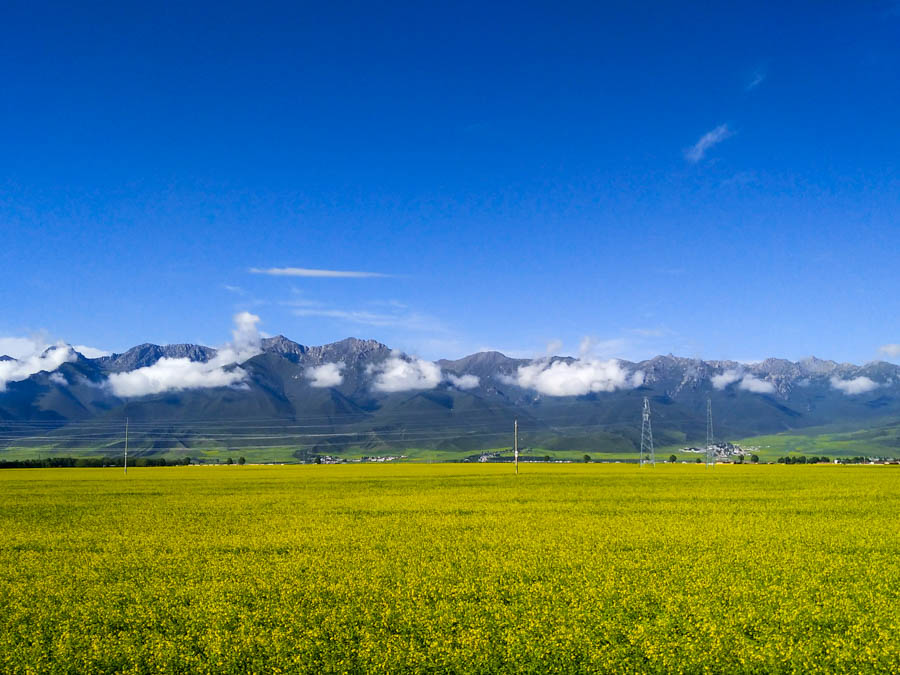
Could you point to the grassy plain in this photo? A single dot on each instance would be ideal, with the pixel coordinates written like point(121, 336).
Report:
point(465, 568)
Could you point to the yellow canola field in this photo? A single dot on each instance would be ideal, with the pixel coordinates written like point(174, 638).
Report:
point(451, 568)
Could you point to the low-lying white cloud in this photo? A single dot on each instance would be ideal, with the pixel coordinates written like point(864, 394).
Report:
point(711, 138)
point(403, 373)
point(891, 350)
point(464, 381)
point(855, 385)
point(326, 375)
point(756, 385)
point(22, 347)
point(30, 356)
point(724, 379)
point(575, 378)
point(745, 381)
point(179, 374)
point(58, 378)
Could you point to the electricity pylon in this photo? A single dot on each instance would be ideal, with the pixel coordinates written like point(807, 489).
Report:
point(647, 436)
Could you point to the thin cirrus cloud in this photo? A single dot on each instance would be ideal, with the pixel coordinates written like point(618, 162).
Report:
point(758, 78)
point(400, 319)
point(710, 139)
point(316, 273)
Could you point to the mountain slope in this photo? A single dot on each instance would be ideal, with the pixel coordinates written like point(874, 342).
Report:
point(277, 410)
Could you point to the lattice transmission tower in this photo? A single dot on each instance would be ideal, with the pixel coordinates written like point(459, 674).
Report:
point(648, 455)
point(710, 442)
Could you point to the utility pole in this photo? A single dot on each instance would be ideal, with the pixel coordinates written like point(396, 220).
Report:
point(647, 436)
point(126, 446)
point(710, 453)
point(516, 444)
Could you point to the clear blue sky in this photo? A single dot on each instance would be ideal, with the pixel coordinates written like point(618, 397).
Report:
point(523, 173)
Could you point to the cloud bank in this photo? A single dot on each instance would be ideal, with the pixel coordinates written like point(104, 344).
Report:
point(326, 375)
point(856, 385)
point(575, 378)
point(711, 138)
point(179, 374)
point(31, 356)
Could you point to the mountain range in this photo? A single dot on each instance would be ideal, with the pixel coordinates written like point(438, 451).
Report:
point(358, 397)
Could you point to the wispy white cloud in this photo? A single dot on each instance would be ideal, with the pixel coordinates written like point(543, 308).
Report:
point(711, 138)
point(307, 272)
point(757, 79)
point(890, 350)
point(650, 332)
point(396, 319)
point(180, 374)
point(90, 352)
point(575, 378)
point(30, 356)
point(553, 347)
point(326, 375)
point(855, 385)
point(22, 347)
point(591, 347)
point(58, 378)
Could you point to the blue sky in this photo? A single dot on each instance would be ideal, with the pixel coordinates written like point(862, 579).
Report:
point(719, 181)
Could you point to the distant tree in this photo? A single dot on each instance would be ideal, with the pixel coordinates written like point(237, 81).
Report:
point(698, 461)
point(186, 461)
point(230, 461)
point(241, 461)
point(546, 458)
point(672, 459)
point(318, 460)
point(587, 458)
point(739, 459)
point(754, 459)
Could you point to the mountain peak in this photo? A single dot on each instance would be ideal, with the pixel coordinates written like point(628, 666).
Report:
point(282, 345)
point(147, 354)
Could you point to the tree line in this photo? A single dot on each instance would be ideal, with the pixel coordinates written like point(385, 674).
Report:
point(89, 462)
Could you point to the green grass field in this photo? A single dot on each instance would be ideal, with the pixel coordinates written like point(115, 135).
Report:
point(451, 568)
